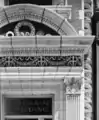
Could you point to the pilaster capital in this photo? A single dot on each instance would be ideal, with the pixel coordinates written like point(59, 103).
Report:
point(73, 85)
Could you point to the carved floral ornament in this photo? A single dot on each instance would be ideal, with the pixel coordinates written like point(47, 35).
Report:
point(26, 28)
point(24, 33)
point(73, 85)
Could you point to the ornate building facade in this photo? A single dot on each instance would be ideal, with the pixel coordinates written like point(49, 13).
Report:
point(46, 60)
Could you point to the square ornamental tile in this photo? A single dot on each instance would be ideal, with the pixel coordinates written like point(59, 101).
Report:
point(52, 19)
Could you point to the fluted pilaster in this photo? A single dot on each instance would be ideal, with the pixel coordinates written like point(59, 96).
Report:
point(73, 99)
point(73, 107)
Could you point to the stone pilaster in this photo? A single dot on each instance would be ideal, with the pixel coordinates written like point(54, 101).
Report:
point(73, 99)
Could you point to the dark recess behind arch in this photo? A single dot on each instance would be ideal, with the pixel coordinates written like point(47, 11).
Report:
point(38, 26)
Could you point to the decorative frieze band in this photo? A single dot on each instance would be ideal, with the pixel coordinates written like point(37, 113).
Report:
point(38, 61)
point(37, 51)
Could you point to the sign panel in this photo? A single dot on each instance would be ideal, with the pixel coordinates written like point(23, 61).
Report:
point(28, 106)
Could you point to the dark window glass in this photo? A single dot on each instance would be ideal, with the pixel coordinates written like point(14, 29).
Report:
point(38, 2)
point(23, 119)
point(47, 118)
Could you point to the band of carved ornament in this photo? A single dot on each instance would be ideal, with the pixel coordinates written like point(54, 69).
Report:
point(38, 50)
point(88, 114)
point(26, 61)
point(88, 85)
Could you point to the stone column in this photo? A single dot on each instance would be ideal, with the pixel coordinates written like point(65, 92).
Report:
point(73, 89)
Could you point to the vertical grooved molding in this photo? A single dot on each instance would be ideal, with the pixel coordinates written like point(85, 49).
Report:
point(82, 98)
point(72, 107)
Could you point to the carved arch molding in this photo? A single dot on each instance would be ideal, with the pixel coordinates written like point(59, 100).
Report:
point(36, 13)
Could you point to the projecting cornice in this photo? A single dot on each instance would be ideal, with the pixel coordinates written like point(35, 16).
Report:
point(45, 45)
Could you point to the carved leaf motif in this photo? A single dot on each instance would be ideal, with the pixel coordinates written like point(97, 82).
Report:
point(73, 85)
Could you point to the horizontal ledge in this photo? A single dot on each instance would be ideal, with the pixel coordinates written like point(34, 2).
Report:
point(28, 92)
point(49, 40)
point(45, 45)
point(39, 74)
point(54, 77)
point(27, 116)
point(73, 94)
point(41, 70)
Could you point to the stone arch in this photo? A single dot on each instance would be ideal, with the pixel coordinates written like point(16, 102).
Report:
point(36, 13)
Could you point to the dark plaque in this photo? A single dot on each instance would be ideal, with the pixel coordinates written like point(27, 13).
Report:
point(28, 106)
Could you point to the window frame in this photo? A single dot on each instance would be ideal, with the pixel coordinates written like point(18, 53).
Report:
point(18, 117)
